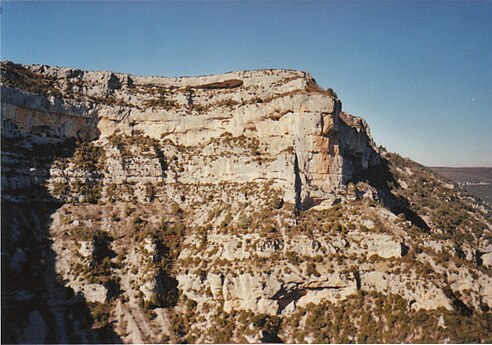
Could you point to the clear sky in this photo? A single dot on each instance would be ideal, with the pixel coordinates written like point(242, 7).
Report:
point(419, 72)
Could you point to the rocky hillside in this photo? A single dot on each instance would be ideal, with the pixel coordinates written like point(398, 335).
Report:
point(243, 207)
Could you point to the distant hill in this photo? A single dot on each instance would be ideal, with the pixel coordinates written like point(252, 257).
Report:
point(477, 181)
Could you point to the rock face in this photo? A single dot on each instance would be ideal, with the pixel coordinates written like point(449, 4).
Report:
point(294, 125)
point(242, 207)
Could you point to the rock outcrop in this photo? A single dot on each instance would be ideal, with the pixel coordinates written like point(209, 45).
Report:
point(277, 121)
point(239, 207)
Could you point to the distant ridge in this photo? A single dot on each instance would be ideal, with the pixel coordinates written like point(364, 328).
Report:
point(477, 181)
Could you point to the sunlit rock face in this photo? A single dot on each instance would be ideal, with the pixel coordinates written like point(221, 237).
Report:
point(297, 130)
point(241, 207)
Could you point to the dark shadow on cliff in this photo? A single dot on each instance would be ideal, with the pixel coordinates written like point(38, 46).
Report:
point(168, 287)
point(381, 178)
point(352, 132)
point(37, 307)
point(167, 284)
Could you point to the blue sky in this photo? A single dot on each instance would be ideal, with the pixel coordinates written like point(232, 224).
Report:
point(419, 72)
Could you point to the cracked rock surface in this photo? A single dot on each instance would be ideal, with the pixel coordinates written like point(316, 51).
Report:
point(241, 207)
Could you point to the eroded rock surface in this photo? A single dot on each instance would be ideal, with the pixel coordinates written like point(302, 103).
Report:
point(241, 207)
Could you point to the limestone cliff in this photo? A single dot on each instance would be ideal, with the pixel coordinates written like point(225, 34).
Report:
point(242, 207)
point(301, 141)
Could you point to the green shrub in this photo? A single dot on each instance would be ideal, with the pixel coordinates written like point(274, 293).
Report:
point(331, 93)
point(311, 269)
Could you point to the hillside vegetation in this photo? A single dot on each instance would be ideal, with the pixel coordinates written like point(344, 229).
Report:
point(244, 207)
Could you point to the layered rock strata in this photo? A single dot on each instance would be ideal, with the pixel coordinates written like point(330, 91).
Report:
point(241, 207)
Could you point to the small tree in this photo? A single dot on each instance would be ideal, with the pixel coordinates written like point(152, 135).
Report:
point(331, 93)
point(311, 269)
